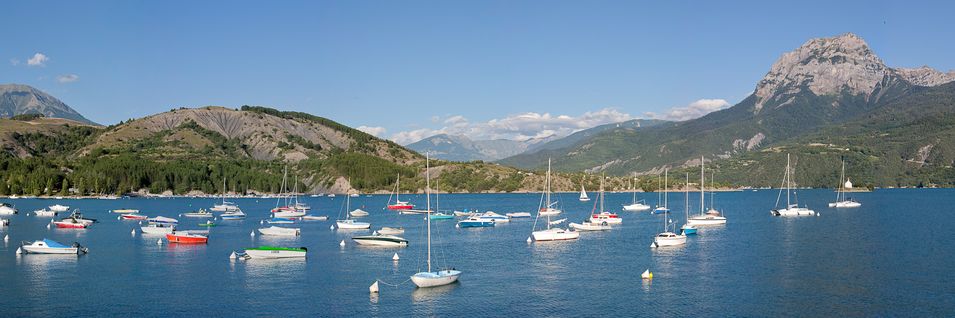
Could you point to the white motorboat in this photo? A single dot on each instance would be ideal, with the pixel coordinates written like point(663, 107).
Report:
point(45, 212)
point(358, 213)
point(841, 200)
point(126, 211)
point(497, 218)
point(668, 239)
point(711, 217)
point(48, 246)
point(590, 226)
point(551, 233)
point(59, 208)
point(280, 231)
point(6, 209)
point(380, 240)
point(272, 252)
point(791, 209)
point(157, 228)
point(162, 220)
point(431, 278)
point(315, 218)
point(233, 215)
point(518, 215)
point(464, 213)
point(635, 205)
point(202, 213)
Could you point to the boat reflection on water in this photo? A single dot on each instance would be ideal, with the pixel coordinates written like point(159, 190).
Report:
point(433, 295)
point(45, 272)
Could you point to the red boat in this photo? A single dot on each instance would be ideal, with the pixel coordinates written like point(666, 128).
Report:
point(134, 217)
point(71, 224)
point(187, 238)
point(399, 205)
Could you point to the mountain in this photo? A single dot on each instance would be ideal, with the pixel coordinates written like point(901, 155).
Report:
point(825, 82)
point(585, 134)
point(462, 148)
point(22, 99)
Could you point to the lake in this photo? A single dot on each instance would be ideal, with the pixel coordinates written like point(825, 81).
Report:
point(891, 257)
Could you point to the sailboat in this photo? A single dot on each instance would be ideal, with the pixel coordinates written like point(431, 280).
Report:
point(348, 223)
point(551, 233)
point(399, 205)
point(230, 209)
point(711, 217)
point(841, 200)
point(583, 194)
point(667, 237)
point(603, 216)
point(432, 278)
point(792, 209)
point(288, 210)
point(635, 206)
point(687, 228)
point(590, 224)
point(662, 209)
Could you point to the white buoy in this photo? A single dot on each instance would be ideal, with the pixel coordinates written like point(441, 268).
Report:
point(19, 251)
point(373, 288)
point(374, 233)
point(261, 221)
point(331, 227)
point(395, 258)
point(119, 218)
point(529, 240)
point(646, 274)
point(232, 256)
point(252, 234)
point(342, 244)
point(28, 213)
point(47, 226)
point(133, 232)
point(6, 237)
point(159, 242)
point(457, 225)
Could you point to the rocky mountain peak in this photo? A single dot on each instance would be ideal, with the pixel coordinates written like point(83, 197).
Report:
point(826, 66)
point(16, 99)
point(925, 76)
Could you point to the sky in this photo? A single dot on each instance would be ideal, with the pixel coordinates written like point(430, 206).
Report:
point(404, 70)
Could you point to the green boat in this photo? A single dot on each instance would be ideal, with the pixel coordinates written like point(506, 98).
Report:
point(275, 252)
point(207, 224)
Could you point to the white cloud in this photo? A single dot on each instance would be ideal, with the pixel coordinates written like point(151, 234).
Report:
point(516, 127)
point(38, 59)
point(14, 62)
point(67, 78)
point(374, 131)
point(693, 110)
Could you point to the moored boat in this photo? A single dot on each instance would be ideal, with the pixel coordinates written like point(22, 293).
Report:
point(6, 209)
point(188, 237)
point(315, 218)
point(157, 228)
point(162, 220)
point(551, 233)
point(475, 221)
point(711, 217)
point(431, 278)
point(358, 213)
point(441, 216)
point(791, 209)
point(48, 246)
point(380, 240)
point(270, 252)
point(59, 208)
point(280, 231)
point(202, 213)
point(841, 200)
point(635, 205)
point(518, 215)
point(391, 230)
point(399, 205)
point(45, 212)
point(233, 215)
point(134, 217)
point(125, 211)
point(280, 221)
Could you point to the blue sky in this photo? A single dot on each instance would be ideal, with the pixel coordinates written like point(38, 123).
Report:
point(410, 68)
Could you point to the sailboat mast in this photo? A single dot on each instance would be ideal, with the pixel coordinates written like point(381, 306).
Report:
point(840, 195)
point(789, 181)
point(601, 194)
point(686, 197)
point(398, 188)
point(547, 194)
point(702, 180)
point(427, 189)
point(666, 188)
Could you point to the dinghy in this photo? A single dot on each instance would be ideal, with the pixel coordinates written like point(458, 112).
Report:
point(272, 252)
point(59, 208)
point(358, 213)
point(162, 220)
point(518, 215)
point(48, 246)
point(134, 217)
point(188, 237)
point(315, 218)
point(280, 231)
point(391, 230)
point(125, 211)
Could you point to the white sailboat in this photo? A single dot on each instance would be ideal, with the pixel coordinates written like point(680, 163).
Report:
point(348, 223)
point(590, 224)
point(551, 233)
point(583, 194)
point(664, 194)
point(635, 206)
point(792, 209)
point(711, 217)
point(432, 278)
point(841, 200)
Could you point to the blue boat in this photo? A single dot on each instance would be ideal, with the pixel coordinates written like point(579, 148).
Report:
point(660, 210)
point(475, 222)
point(441, 216)
point(688, 229)
point(281, 221)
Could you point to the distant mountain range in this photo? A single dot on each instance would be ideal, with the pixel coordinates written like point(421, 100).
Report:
point(822, 86)
point(22, 99)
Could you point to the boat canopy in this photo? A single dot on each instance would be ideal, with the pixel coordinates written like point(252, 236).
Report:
point(54, 244)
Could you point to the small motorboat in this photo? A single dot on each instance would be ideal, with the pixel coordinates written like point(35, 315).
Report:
point(48, 246)
point(380, 240)
point(358, 213)
point(134, 217)
point(287, 212)
point(660, 210)
point(590, 226)
point(202, 213)
point(59, 208)
point(45, 212)
point(475, 221)
point(315, 218)
point(606, 217)
point(73, 222)
point(280, 231)
point(391, 230)
point(668, 239)
point(6, 209)
point(157, 228)
point(497, 218)
point(518, 215)
point(354, 195)
point(281, 221)
point(207, 224)
point(233, 215)
point(225, 206)
point(688, 229)
point(464, 213)
point(188, 237)
point(441, 216)
point(267, 252)
point(4, 222)
point(125, 211)
point(350, 224)
point(162, 220)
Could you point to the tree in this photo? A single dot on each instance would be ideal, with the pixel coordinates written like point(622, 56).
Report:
point(65, 190)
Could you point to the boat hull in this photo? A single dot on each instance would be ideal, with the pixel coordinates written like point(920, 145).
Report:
point(400, 207)
point(465, 224)
point(71, 225)
point(157, 229)
point(590, 227)
point(288, 214)
point(636, 207)
point(391, 231)
point(187, 238)
point(518, 215)
point(353, 225)
point(433, 279)
point(669, 241)
point(134, 217)
point(267, 254)
point(845, 204)
point(555, 234)
point(793, 212)
point(280, 231)
point(380, 240)
point(706, 220)
point(315, 218)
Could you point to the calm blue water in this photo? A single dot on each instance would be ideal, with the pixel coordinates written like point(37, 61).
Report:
point(894, 256)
